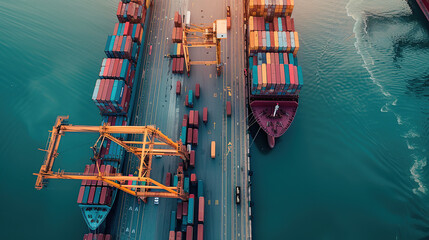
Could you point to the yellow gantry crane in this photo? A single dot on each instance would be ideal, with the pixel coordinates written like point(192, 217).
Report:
point(195, 36)
point(153, 143)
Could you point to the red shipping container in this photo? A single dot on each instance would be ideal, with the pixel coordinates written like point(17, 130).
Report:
point(295, 71)
point(173, 66)
point(189, 139)
point(269, 76)
point(186, 101)
point(185, 121)
point(178, 87)
point(115, 67)
point(119, 68)
point(195, 136)
point(191, 118)
point(191, 196)
point(85, 172)
point(106, 68)
point(178, 235)
point(228, 108)
point(193, 178)
point(100, 236)
point(85, 237)
point(100, 91)
point(112, 63)
point(205, 113)
point(127, 28)
point(189, 232)
point(127, 48)
point(288, 24)
point(292, 23)
point(283, 77)
point(192, 158)
point(107, 237)
point(276, 25)
point(277, 79)
point(118, 13)
point(80, 196)
point(200, 232)
point(172, 235)
point(201, 209)
point(108, 196)
point(103, 195)
point(185, 208)
point(185, 116)
point(115, 30)
point(168, 179)
point(174, 33)
point(182, 64)
point(196, 118)
point(91, 172)
point(91, 195)
point(179, 211)
point(197, 90)
point(122, 13)
point(292, 77)
point(90, 236)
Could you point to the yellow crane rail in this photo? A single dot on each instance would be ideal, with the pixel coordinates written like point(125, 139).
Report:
point(154, 142)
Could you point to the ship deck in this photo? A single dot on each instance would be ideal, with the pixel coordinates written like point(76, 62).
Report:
point(157, 104)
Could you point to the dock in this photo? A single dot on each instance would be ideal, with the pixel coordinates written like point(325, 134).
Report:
point(157, 104)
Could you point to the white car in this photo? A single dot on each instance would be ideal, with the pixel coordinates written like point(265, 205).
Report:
point(156, 201)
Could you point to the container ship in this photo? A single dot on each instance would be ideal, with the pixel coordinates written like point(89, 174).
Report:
point(114, 95)
point(424, 6)
point(274, 76)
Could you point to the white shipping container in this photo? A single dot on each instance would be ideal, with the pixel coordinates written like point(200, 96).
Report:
point(188, 19)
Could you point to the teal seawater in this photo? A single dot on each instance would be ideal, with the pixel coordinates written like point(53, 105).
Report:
point(353, 165)
point(50, 54)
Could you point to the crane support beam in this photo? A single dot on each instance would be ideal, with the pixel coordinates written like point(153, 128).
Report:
point(201, 36)
point(144, 153)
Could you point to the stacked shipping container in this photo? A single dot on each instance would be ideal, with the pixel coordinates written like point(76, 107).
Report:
point(112, 95)
point(177, 49)
point(275, 74)
point(271, 9)
point(278, 35)
point(273, 45)
point(134, 12)
point(189, 215)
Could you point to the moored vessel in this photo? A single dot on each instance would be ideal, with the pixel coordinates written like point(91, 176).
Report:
point(275, 78)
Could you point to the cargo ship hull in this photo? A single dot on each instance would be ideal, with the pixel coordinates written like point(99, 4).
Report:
point(95, 214)
point(424, 6)
point(274, 116)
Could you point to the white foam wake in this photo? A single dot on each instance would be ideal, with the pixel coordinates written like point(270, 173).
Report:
point(355, 10)
point(416, 170)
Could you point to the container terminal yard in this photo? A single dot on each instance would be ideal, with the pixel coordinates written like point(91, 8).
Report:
point(215, 90)
point(159, 105)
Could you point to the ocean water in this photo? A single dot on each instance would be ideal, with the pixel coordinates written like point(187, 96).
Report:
point(353, 165)
point(356, 155)
point(50, 53)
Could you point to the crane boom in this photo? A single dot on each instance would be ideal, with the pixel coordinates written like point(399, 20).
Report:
point(154, 142)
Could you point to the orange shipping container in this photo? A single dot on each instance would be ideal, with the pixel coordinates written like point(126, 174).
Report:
point(296, 43)
point(213, 149)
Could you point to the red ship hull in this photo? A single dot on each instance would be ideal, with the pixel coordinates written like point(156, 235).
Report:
point(274, 125)
point(424, 6)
